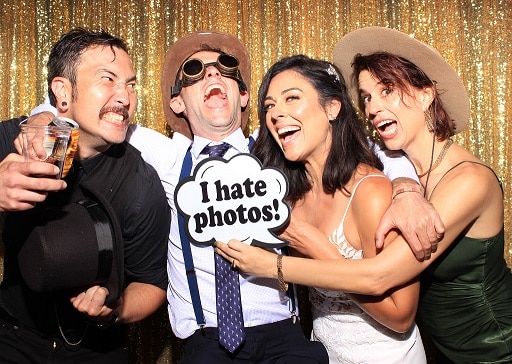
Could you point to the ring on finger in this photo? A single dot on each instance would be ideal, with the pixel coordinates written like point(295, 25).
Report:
point(233, 265)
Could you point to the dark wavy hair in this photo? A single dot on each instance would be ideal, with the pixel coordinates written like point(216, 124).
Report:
point(399, 73)
point(65, 55)
point(349, 145)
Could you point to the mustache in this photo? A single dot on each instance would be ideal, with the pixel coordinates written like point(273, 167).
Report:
point(115, 109)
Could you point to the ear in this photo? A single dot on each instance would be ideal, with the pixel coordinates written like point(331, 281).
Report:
point(333, 108)
point(244, 98)
point(177, 105)
point(426, 97)
point(62, 90)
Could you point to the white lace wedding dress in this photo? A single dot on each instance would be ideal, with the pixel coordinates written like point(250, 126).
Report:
point(348, 333)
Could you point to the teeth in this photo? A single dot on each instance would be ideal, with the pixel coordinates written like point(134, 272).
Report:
point(287, 129)
point(113, 117)
point(210, 88)
point(384, 122)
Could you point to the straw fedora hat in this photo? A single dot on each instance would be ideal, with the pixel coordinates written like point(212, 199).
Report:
point(181, 50)
point(369, 40)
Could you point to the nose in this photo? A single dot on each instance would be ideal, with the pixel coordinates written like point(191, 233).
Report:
point(372, 107)
point(123, 93)
point(212, 71)
point(276, 113)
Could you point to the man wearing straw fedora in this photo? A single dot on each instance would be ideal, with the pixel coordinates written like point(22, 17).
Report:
point(205, 87)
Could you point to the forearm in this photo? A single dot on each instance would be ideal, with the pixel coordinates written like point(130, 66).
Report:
point(394, 266)
point(395, 310)
point(139, 300)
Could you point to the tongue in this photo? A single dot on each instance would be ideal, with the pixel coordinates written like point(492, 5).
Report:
point(215, 98)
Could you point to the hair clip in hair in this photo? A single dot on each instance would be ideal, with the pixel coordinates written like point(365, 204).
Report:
point(330, 70)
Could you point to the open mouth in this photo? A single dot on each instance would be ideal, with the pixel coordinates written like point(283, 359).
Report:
point(386, 127)
point(286, 133)
point(215, 91)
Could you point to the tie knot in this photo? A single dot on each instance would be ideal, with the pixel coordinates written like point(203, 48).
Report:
point(217, 150)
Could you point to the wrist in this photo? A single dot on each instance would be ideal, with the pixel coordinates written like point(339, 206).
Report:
point(109, 321)
point(402, 190)
point(283, 286)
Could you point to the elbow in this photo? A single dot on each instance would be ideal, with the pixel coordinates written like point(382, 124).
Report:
point(402, 326)
point(378, 281)
point(399, 324)
point(376, 286)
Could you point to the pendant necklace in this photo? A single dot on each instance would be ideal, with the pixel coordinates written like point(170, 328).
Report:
point(439, 159)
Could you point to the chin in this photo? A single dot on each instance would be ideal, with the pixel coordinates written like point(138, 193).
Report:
point(116, 138)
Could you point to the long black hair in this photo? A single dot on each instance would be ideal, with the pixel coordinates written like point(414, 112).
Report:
point(349, 145)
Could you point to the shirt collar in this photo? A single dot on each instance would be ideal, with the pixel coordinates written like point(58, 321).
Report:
point(236, 140)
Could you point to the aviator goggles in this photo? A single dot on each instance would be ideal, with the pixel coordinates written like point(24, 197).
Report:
point(193, 70)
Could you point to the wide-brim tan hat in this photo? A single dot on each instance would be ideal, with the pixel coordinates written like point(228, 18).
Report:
point(369, 40)
point(181, 50)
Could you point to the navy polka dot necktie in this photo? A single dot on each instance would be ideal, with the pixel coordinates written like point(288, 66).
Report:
point(230, 320)
point(217, 150)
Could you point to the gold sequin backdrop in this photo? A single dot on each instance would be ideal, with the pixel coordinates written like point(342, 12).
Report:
point(474, 36)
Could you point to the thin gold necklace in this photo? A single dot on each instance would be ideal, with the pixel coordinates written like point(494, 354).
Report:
point(439, 159)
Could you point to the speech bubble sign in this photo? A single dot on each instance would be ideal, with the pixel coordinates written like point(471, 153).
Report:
point(234, 199)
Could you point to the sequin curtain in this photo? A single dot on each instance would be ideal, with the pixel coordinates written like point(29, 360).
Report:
point(474, 36)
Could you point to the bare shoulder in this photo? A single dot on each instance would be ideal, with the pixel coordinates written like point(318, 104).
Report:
point(373, 189)
point(470, 175)
point(469, 198)
point(367, 178)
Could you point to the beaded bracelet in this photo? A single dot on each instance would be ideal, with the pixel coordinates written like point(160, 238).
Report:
point(283, 286)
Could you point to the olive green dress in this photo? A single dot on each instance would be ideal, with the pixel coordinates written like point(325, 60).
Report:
point(466, 304)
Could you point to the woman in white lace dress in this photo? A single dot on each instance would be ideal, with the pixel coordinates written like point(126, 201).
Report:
point(311, 132)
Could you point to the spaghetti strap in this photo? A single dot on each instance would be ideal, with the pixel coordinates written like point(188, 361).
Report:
point(458, 164)
point(354, 192)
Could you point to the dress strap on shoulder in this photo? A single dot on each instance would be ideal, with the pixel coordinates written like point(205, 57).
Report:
point(466, 161)
point(354, 192)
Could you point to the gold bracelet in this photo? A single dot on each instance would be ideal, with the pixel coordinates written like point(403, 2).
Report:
point(283, 286)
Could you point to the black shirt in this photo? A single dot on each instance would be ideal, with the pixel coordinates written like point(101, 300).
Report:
point(145, 229)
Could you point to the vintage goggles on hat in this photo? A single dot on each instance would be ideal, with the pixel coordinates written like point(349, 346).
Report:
point(193, 70)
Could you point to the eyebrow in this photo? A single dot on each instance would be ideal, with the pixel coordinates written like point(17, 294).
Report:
point(283, 92)
point(134, 78)
point(379, 83)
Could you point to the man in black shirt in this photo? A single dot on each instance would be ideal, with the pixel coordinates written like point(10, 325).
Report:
point(91, 80)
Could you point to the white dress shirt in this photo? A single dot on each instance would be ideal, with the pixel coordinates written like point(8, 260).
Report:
point(262, 302)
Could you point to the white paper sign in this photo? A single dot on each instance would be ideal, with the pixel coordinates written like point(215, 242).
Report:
point(235, 199)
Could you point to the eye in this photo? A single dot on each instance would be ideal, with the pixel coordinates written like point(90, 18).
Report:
point(132, 86)
point(291, 98)
point(267, 107)
point(388, 90)
point(365, 98)
point(107, 78)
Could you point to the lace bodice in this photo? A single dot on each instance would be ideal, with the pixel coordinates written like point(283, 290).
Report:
point(337, 301)
point(349, 334)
